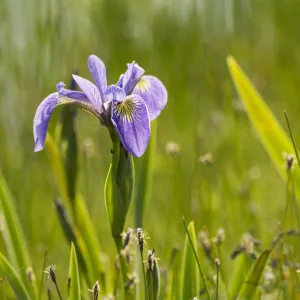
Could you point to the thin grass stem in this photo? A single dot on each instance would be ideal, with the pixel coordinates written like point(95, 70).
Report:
point(292, 137)
point(197, 259)
point(43, 274)
point(144, 275)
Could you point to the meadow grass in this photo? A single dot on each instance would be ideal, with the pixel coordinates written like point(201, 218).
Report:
point(207, 162)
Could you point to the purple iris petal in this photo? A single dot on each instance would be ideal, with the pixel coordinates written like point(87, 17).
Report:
point(98, 71)
point(153, 93)
point(80, 96)
point(41, 120)
point(90, 91)
point(114, 92)
point(131, 77)
point(131, 120)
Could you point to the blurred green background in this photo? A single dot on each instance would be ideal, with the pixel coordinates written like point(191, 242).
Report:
point(184, 43)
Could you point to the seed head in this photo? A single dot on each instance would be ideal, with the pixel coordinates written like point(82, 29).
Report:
point(127, 237)
point(50, 270)
point(206, 159)
point(205, 241)
point(217, 262)
point(151, 261)
point(141, 237)
point(30, 274)
point(133, 280)
point(220, 236)
point(289, 160)
point(127, 254)
point(173, 149)
point(95, 290)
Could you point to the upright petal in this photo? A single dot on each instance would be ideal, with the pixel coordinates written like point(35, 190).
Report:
point(98, 71)
point(130, 118)
point(131, 77)
point(41, 120)
point(113, 92)
point(90, 90)
point(153, 93)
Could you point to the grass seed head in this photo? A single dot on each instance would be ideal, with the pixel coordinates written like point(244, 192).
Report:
point(151, 261)
point(95, 290)
point(141, 237)
point(50, 270)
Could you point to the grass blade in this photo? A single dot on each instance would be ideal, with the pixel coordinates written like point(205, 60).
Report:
point(13, 234)
point(143, 178)
point(15, 282)
point(74, 282)
point(251, 283)
point(271, 134)
point(190, 281)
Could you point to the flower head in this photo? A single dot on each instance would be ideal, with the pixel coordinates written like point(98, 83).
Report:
point(127, 106)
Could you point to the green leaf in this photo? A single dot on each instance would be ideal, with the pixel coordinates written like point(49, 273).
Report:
point(73, 235)
point(190, 274)
point(173, 286)
point(251, 283)
point(15, 282)
point(68, 141)
point(243, 263)
point(13, 235)
point(57, 167)
point(84, 225)
point(143, 178)
point(74, 282)
point(271, 134)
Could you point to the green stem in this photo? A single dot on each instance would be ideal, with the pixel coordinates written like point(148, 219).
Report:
point(284, 233)
point(197, 259)
point(43, 274)
point(144, 276)
point(124, 269)
point(292, 137)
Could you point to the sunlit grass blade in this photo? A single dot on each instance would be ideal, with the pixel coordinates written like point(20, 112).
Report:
point(243, 264)
point(68, 143)
point(57, 167)
point(190, 271)
point(73, 235)
point(270, 132)
point(173, 286)
point(79, 213)
point(13, 235)
point(15, 282)
point(74, 282)
point(143, 178)
point(84, 225)
point(251, 283)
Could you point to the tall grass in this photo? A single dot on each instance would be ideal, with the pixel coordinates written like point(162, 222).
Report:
point(185, 44)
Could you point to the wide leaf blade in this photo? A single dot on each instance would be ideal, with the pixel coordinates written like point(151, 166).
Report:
point(270, 132)
point(251, 283)
point(13, 279)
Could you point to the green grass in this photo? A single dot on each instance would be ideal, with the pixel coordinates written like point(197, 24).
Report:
point(185, 44)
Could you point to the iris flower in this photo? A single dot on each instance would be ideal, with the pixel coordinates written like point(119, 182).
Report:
point(128, 106)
